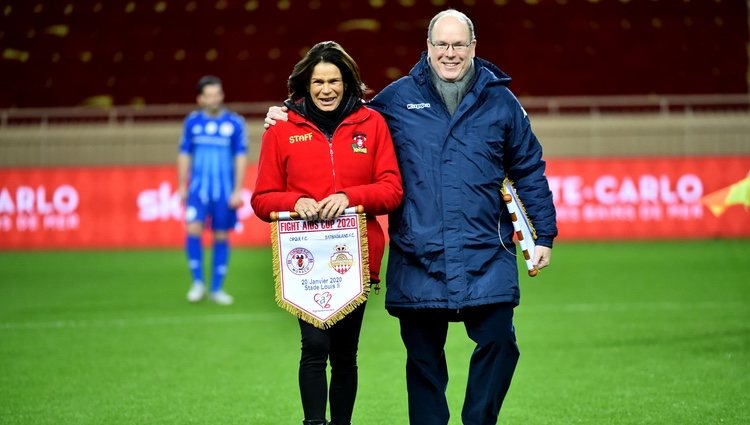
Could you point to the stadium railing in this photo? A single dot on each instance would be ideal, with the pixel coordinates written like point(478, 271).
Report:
point(555, 105)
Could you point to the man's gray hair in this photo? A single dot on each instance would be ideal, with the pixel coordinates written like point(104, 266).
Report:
point(456, 14)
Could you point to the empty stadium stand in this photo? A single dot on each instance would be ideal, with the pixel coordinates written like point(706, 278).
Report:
point(123, 52)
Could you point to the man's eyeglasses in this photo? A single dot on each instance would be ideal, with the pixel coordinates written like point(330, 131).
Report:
point(457, 47)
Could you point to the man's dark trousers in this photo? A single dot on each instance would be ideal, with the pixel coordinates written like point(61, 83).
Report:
point(424, 332)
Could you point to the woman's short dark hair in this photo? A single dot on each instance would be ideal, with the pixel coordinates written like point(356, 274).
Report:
point(328, 52)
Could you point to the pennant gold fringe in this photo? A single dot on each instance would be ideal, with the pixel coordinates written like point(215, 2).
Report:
point(323, 324)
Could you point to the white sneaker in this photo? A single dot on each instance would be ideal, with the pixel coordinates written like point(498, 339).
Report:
point(221, 298)
point(197, 293)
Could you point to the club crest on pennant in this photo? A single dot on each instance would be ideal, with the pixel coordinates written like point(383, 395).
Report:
point(359, 143)
point(299, 261)
point(342, 260)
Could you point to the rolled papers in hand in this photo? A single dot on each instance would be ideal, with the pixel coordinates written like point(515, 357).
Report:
point(521, 225)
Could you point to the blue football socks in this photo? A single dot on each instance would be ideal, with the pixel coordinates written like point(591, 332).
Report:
point(194, 251)
point(220, 259)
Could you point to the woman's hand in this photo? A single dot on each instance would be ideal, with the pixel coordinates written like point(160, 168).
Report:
point(333, 206)
point(307, 208)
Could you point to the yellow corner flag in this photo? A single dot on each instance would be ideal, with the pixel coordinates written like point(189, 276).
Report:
point(734, 194)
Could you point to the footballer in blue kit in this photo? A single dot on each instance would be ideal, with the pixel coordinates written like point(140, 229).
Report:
point(211, 168)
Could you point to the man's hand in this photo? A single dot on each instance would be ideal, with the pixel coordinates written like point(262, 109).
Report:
point(235, 200)
point(182, 192)
point(275, 113)
point(542, 256)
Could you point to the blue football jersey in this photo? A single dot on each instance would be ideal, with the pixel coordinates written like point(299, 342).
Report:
point(213, 142)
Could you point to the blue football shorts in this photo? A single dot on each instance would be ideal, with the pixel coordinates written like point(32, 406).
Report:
point(222, 217)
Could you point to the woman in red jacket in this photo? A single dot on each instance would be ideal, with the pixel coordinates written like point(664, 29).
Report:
point(333, 153)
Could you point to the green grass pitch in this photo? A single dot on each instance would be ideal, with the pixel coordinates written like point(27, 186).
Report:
point(611, 333)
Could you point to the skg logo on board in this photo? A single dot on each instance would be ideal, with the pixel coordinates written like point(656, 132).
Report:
point(29, 209)
point(612, 198)
point(161, 204)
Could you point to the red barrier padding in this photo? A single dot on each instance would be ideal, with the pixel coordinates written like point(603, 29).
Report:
point(596, 199)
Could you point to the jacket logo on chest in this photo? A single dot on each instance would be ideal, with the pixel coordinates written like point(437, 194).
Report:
point(359, 143)
point(300, 138)
point(418, 105)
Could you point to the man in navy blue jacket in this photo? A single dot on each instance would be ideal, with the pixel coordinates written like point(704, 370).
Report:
point(458, 132)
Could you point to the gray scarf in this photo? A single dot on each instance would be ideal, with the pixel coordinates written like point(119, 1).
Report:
point(453, 91)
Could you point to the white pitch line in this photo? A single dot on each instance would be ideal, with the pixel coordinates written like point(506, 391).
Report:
point(141, 321)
